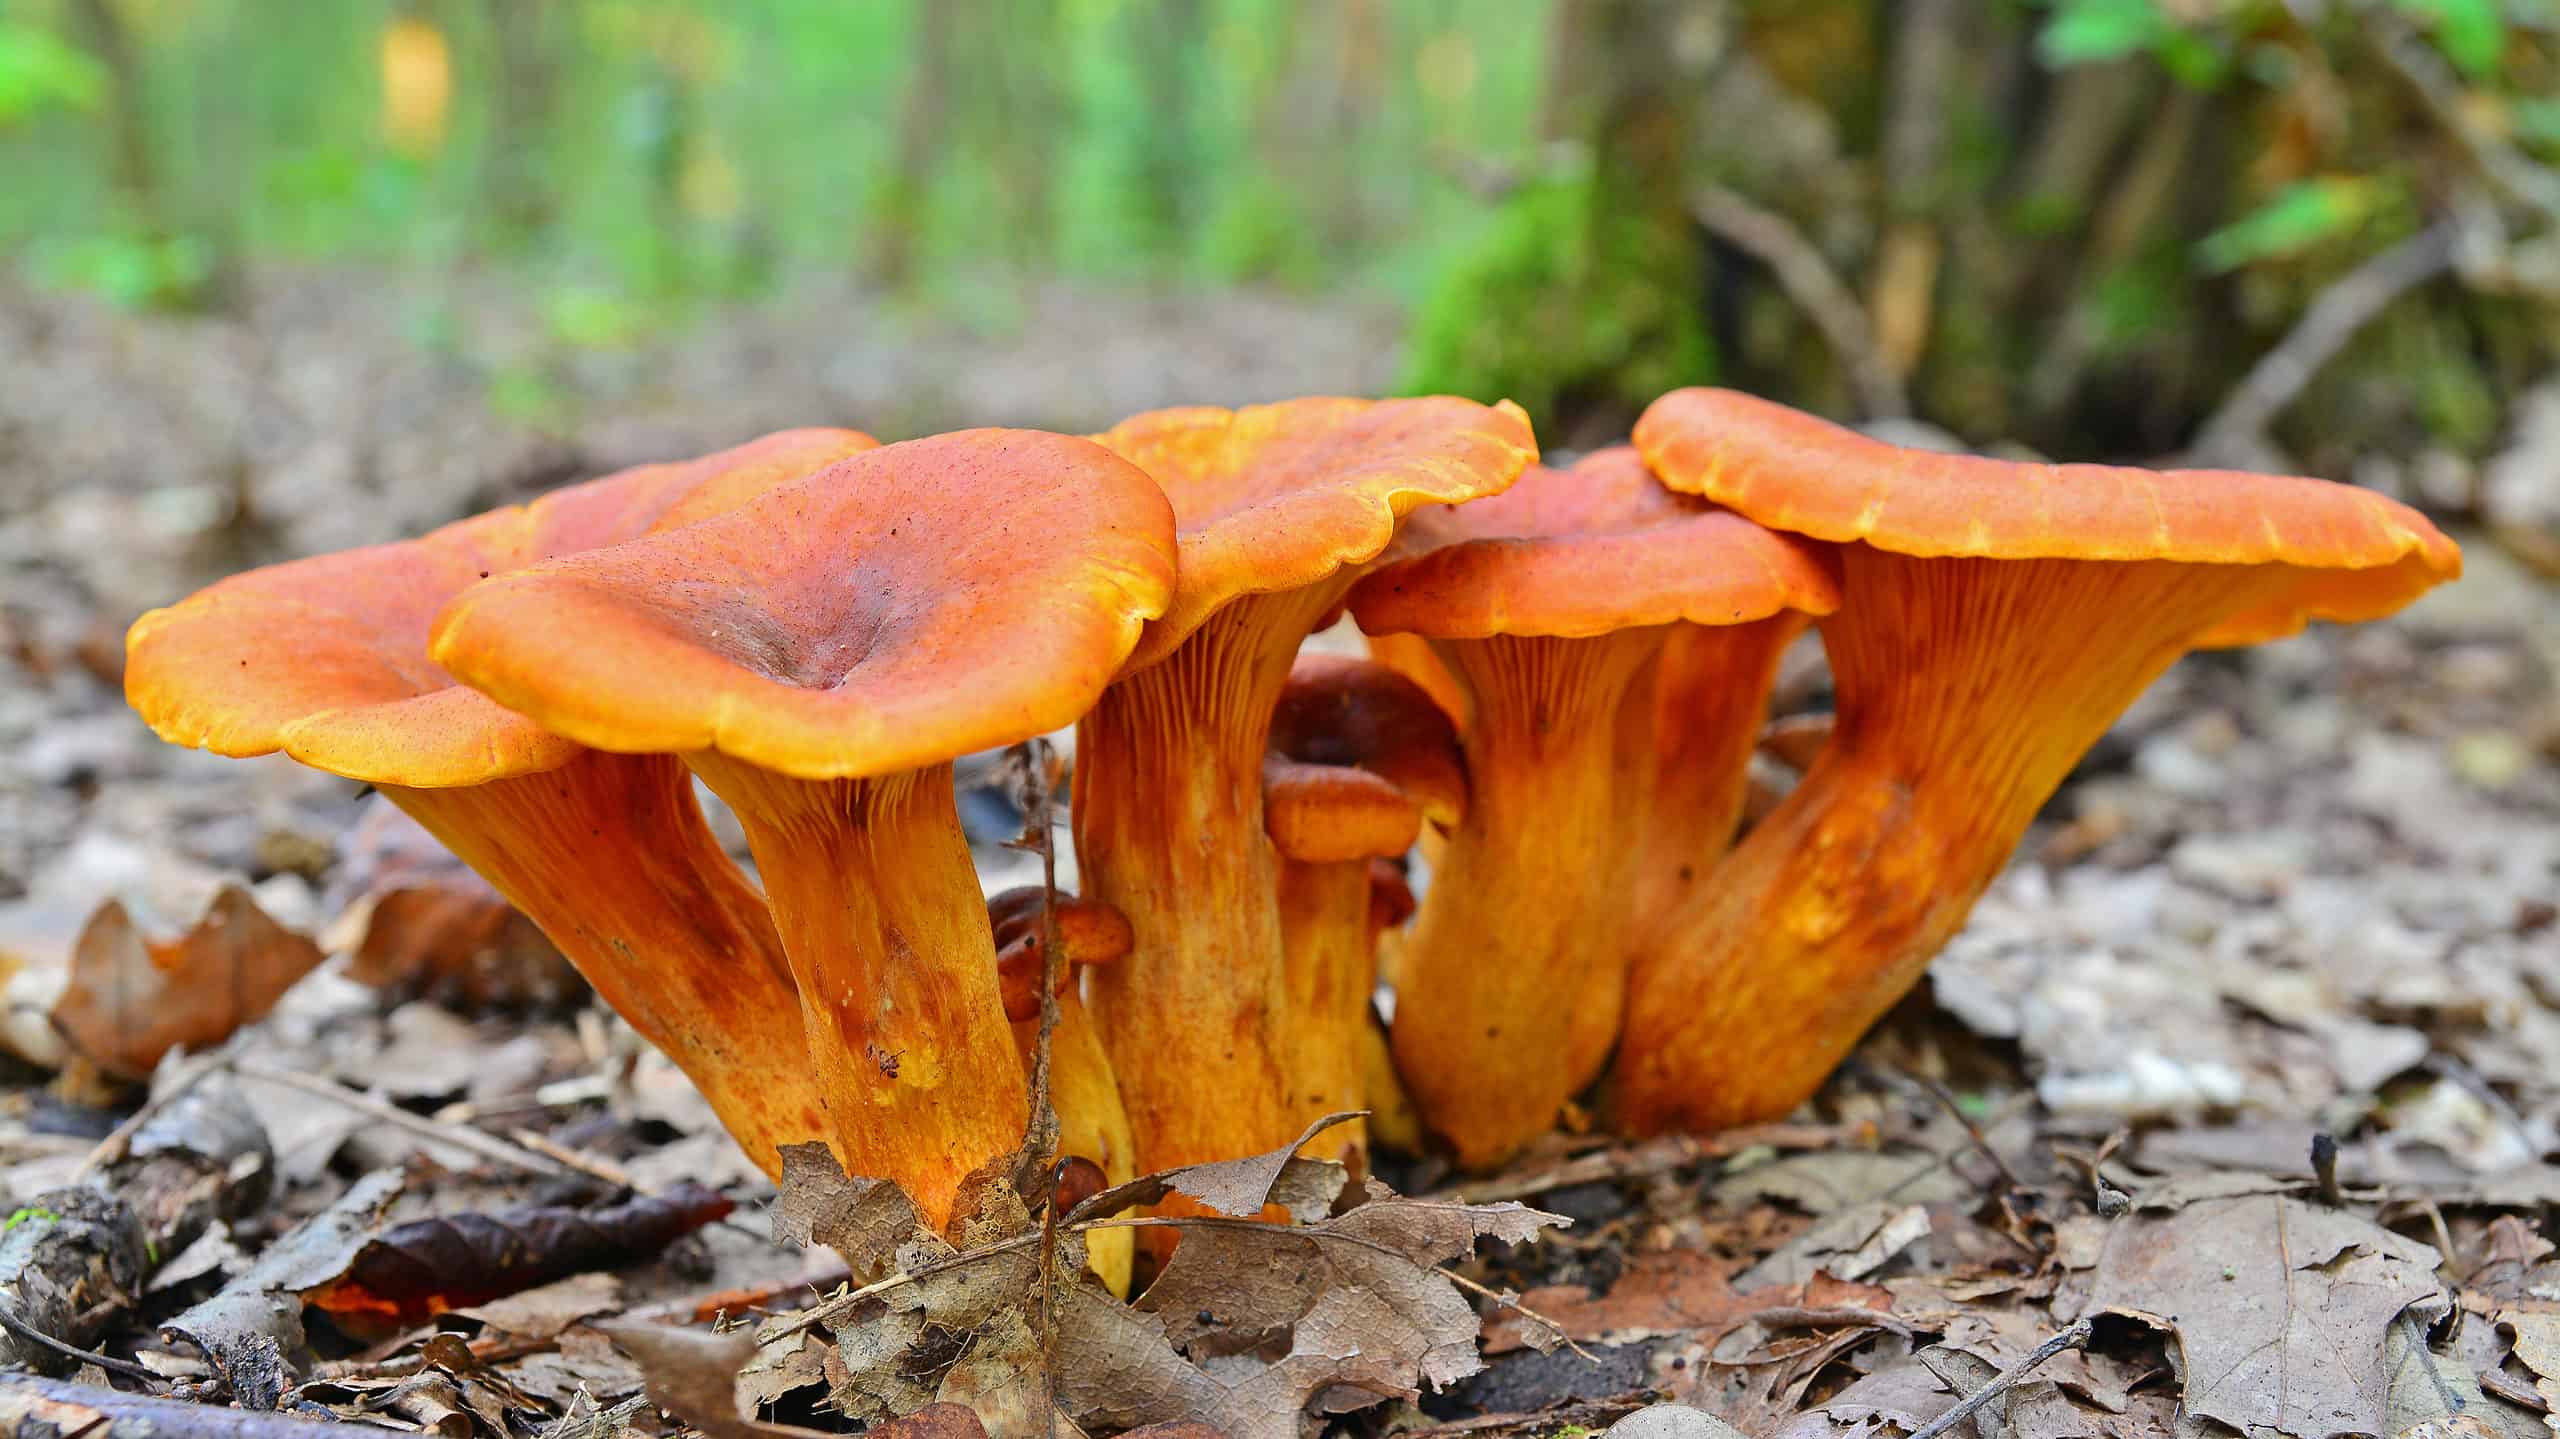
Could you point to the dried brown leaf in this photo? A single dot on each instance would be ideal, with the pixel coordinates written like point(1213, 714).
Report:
point(132, 998)
point(2280, 1308)
point(864, 1220)
point(694, 1376)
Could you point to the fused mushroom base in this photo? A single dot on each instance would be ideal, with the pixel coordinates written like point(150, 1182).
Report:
point(1960, 712)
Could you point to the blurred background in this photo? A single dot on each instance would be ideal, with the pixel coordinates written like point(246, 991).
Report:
point(278, 277)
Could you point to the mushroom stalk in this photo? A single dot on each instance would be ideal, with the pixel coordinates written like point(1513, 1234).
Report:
point(1169, 830)
point(609, 855)
point(1508, 994)
point(1331, 967)
point(886, 929)
point(1692, 724)
point(1959, 715)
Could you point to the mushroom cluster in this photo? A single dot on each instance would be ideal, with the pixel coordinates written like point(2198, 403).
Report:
point(1569, 672)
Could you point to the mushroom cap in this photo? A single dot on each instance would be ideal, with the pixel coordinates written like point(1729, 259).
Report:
point(1342, 711)
point(1275, 497)
point(2362, 555)
point(1326, 813)
point(1390, 895)
point(326, 658)
point(890, 612)
point(1089, 932)
point(1585, 551)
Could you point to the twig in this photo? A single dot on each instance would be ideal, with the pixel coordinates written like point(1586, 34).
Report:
point(2008, 1379)
point(130, 1370)
point(587, 1164)
point(2333, 319)
point(1832, 1316)
point(120, 1139)
point(1972, 1130)
point(31, 1407)
point(489, 1147)
point(1511, 1301)
point(2505, 166)
point(1807, 279)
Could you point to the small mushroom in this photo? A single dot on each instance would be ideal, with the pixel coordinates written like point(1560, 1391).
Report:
point(1278, 508)
point(819, 656)
point(325, 659)
point(1551, 604)
point(1359, 757)
point(1092, 1124)
point(1996, 618)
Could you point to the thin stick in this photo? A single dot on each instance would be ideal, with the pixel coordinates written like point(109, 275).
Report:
point(2008, 1379)
point(1972, 1131)
point(489, 1147)
point(1512, 1302)
point(2333, 319)
point(120, 1139)
point(15, 1325)
point(1807, 279)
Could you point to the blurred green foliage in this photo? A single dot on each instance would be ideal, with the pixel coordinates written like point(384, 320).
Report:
point(2124, 201)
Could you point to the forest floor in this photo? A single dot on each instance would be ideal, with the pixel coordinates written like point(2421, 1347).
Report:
point(2301, 902)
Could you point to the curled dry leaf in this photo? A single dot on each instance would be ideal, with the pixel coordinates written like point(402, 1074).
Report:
point(121, 998)
point(414, 1271)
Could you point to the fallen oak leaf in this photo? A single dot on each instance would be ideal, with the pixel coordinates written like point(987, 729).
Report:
point(2280, 1309)
point(694, 1376)
point(126, 998)
point(414, 1271)
point(863, 1220)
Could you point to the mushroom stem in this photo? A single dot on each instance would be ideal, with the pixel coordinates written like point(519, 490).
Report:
point(1508, 991)
point(1169, 830)
point(886, 929)
point(1692, 724)
point(609, 855)
point(1092, 1124)
point(1331, 967)
point(1968, 688)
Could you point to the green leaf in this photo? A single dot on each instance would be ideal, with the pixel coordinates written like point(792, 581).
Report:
point(2537, 120)
point(2471, 33)
point(2085, 32)
point(2293, 220)
point(38, 69)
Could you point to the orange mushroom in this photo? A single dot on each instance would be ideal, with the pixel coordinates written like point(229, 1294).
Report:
point(1359, 757)
point(1092, 1124)
point(1551, 604)
point(1278, 507)
point(818, 657)
point(325, 659)
point(1996, 619)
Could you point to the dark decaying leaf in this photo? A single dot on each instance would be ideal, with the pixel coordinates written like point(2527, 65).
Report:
point(252, 1329)
point(48, 1409)
point(694, 1376)
point(430, 1266)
